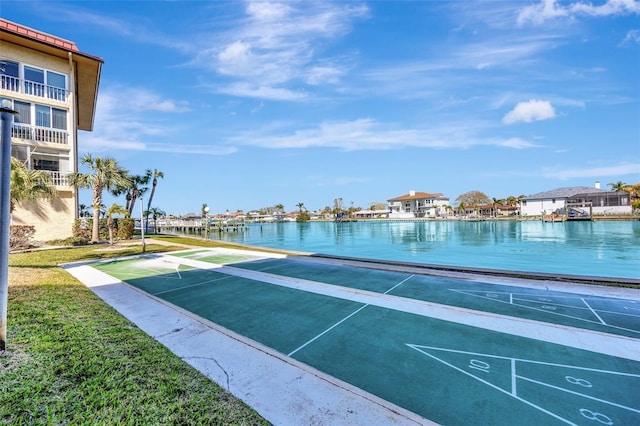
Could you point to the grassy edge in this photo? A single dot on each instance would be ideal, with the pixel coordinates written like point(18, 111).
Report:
point(73, 359)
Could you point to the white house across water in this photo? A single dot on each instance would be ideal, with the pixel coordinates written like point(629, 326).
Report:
point(417, 204)
point(576, 201)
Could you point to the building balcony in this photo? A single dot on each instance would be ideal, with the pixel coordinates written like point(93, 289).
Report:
point(30, 133)
point(59, 179)
point(14, 84)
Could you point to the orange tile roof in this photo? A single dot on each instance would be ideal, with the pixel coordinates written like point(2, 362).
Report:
point(38, 35)
point(416, 195)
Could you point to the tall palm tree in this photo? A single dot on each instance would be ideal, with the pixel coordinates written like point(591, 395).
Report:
point(114, 209)
point(104, 173)
point(154, 176)
point(29, 184)
point(138, 188)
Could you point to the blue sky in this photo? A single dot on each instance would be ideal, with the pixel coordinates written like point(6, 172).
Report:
point(244, 105)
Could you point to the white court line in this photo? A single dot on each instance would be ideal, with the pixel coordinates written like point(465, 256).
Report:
point(514, 389)
point(594, 312)
point(598, 342)
point(329, 329)
point(192, 285)
point(400, 283)
point(604, 401)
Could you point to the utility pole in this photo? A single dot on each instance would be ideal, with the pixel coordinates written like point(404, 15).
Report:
point(7, 114)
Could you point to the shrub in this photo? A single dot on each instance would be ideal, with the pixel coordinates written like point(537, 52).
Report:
point(20, 237)
point(126, 228)
point(71, 241)
point(83, 228)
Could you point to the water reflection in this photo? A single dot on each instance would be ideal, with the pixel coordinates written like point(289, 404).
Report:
point(584, 248)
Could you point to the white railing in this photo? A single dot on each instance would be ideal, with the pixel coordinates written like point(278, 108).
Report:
point(39, 134)
point(58, 178)
point(27, 87)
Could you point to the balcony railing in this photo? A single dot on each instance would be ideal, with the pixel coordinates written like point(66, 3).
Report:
point(58, 178)
point(27, 87)
point(39, 134)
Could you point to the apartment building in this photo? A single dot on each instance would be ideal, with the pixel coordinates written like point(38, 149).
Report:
point(53, 87)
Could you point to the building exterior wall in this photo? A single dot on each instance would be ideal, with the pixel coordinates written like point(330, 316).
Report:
point(417, 206)
point(52, 219)
point(541, 206)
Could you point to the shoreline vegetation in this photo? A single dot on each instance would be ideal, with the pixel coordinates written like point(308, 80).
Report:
point(73, 359)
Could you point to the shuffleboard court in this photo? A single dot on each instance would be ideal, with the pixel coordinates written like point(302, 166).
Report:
point(450, 350)
point(607, 314)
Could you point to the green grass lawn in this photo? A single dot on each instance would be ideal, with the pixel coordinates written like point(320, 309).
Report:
point(72, 359)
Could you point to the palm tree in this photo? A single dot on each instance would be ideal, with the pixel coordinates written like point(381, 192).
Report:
point(104, 173)
point(114, 209)
point(462, 207)
point(618, 186)
point(83, 211)
point(132, 190)
point(154, 212)
point(28, 184)
point(152, 175)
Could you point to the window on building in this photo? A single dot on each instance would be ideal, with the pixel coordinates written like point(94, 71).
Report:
point(10, 75)
point(20, 152)
point(34, 74)
point(43, 116)
point(24, 112)
point(56, 86)
point(58, 119)
point(33, 81)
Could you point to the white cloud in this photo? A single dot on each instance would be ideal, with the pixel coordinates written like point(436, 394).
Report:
point(613, 170)
point(277, 43)
point(517, 143)
point(368, 134)
point(632, 37)
point(538, 13)
point(533, 110)
point(131, 119)
point(248, 90)
point(551, 9)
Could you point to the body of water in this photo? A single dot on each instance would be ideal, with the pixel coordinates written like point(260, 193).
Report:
point(607, 249)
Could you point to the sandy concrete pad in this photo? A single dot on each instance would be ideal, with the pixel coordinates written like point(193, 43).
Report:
point(282, 390)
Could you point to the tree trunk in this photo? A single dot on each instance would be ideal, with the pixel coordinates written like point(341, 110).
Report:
point(153, 190)
point(97, 201)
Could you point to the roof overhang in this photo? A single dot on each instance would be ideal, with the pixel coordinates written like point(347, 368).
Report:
point(87, 67)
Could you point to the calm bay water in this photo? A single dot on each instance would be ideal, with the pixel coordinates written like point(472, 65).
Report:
point(609, 249)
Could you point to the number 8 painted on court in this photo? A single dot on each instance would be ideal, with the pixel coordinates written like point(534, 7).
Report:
point(479, 365)
point(598, 417)
point(576, 381)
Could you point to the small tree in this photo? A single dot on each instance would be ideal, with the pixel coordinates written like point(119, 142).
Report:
point(154, 212)
point(104, 173)
point(29, 184)
point(114, 209)
point(473, 198)
point(619, 186)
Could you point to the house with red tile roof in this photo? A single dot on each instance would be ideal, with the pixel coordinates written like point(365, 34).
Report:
point(53, 87)
point(418, 204)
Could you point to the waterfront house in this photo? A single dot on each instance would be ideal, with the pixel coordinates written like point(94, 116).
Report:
point(53, 87)
point(576, 201)
point(417, 204)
